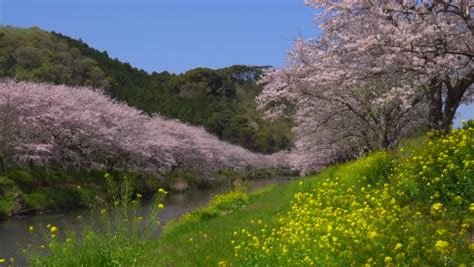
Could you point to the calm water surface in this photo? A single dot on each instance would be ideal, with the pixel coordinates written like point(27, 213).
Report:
point(14, 232)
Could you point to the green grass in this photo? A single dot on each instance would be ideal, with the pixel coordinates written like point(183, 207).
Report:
point(206, 241)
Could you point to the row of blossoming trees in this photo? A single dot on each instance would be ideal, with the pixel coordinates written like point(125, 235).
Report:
point(81, 127)
point(379, 70)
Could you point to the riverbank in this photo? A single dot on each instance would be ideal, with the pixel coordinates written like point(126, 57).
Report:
point(15, 234)
point(28, 191)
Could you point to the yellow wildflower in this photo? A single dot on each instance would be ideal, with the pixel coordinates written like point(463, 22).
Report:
point(54, 230)
point(436, 208)
point(442, 246)
point(398, 246)
point(162, 191)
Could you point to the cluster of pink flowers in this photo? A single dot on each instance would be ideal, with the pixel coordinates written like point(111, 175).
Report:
point(378, 70)
point(77, 127)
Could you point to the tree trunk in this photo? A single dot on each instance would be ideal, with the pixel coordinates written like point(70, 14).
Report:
point(453, 100)
point(436, 106)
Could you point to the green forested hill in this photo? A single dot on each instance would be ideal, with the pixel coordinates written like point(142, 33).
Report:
point(221, 100)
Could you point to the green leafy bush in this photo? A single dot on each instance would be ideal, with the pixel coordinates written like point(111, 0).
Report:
point(8, 193)
point(38, 201)
point(23, 179)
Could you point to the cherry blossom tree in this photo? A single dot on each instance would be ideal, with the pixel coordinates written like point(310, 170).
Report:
point(8, 126)
point(81, 127)
point(378, 70)
point(427, 45)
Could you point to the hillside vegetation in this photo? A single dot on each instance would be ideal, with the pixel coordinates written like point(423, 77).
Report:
point(220, 100)
point(412, 206)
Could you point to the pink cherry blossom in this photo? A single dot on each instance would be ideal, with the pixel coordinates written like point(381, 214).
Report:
point(81, 127)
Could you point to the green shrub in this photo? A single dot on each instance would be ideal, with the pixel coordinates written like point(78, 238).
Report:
point(9, 192)
point(39, 201)
point(23, 179)
point(61, 197)
point(50, 176)
point(7, 185)
point(55, 198)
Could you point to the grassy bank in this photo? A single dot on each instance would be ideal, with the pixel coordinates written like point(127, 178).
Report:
point(411, 206)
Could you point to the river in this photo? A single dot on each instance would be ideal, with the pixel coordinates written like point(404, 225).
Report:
point(14, 232)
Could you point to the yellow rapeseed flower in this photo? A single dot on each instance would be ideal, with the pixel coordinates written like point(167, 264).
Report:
point(398, 246)
point(2, 260)
point(436, 208)
point(54, 230)
point(31, 229)
point(162, 191)
point(161, 206)
point(442, 246)
point(471, 247)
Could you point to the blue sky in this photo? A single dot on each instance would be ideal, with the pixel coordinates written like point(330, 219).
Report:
point(177, 35)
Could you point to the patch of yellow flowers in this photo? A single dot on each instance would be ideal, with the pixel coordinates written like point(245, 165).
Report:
point(421, 215)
